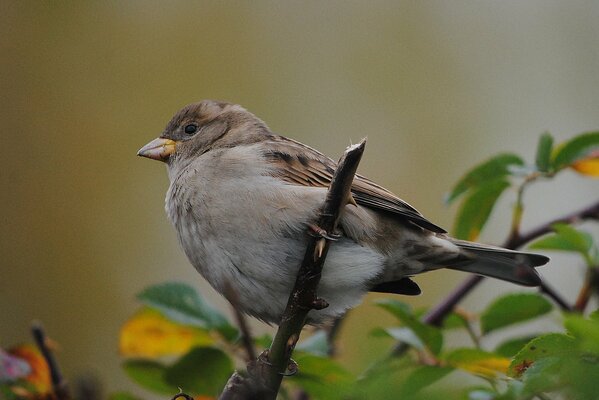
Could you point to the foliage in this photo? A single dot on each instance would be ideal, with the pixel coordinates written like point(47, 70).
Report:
point(177, 340)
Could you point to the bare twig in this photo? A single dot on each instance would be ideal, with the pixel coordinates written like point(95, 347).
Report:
point(588, 213)
point(303, 298)
point(246, 336)
point(59, 384)
point(270, 367)
point(332, 334)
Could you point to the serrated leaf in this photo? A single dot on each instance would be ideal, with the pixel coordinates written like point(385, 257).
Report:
point(149, 334)
point(422, 378)
point(511, 347)
point(150, 375)
point(476, 208)
point(576, 149)
point(429, 335)
point(513, 308)
point(182, 303)
point(544, 148)
point(203, 370)
point(565, 238)
point(549, 345)
point(478, 362)
point(496, 168)
point(322, 377)
point(317, 344)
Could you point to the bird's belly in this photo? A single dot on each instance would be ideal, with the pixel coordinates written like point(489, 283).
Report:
point(255, 245)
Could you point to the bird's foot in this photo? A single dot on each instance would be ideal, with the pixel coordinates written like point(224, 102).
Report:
point(317, 231)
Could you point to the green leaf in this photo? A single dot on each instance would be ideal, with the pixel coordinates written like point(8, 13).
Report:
point(477, 361)
point(420, 379)
point(586, 331)
point(565, 238)
point(182, 303)
point(317, 344)
point(496, 168)
point(573, 376)
point(511, 347)
point(575, 149)
point(549, 345)
point(150, 375)
point(476, 208)
point(543, 375)
point(429, 335)
point(405, 335)
point(544, 148)
point(513, 308)
point(204, 370)
point(322, 377)
point(454, 321)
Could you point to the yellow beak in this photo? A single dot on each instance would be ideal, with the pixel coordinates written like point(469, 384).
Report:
point(158, 149)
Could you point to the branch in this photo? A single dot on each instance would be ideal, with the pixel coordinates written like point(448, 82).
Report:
point(246, 336)
point(588, 213)
point(437, 315)
point(269, 368)
point(59, 384)
point(303, 298)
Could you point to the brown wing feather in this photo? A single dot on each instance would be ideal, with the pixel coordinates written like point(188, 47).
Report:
point(299, 164)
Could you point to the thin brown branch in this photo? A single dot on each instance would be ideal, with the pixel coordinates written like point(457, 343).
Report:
point(268, 370)
point(588, 213)
point(437, 314)
point(303, 297)
point(59, 384)
point(246, 335)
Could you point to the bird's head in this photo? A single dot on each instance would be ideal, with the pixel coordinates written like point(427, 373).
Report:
point(200, 127)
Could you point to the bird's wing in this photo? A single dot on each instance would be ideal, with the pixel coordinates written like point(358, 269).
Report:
point(299, 164)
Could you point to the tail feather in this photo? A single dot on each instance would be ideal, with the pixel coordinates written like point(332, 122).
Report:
point(496, 262)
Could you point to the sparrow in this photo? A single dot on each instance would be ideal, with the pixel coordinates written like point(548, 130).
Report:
point(242, 200)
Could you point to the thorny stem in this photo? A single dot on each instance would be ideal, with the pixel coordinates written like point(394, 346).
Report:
point(271, 366)
point(303, 298)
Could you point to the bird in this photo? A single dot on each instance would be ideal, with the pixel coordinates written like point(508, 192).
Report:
point(243, 201)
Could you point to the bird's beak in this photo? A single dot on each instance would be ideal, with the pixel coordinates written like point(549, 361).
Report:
point(158, 149)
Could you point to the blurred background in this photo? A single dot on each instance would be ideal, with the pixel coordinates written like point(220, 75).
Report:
point(436, 86)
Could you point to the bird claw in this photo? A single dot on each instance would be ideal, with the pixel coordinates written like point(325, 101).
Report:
point(318, 232)
point(256, 367)
point(292, 368)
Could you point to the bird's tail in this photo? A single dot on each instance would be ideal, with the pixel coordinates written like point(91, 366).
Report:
point(496, 262)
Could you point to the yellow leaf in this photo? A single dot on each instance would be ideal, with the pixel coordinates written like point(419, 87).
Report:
point(489, 367)
point(479, 362)
point(149, 334)
point(588, 166)
point(40, 374)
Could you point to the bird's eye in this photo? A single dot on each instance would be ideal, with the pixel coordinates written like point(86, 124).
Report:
point(191, 129)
